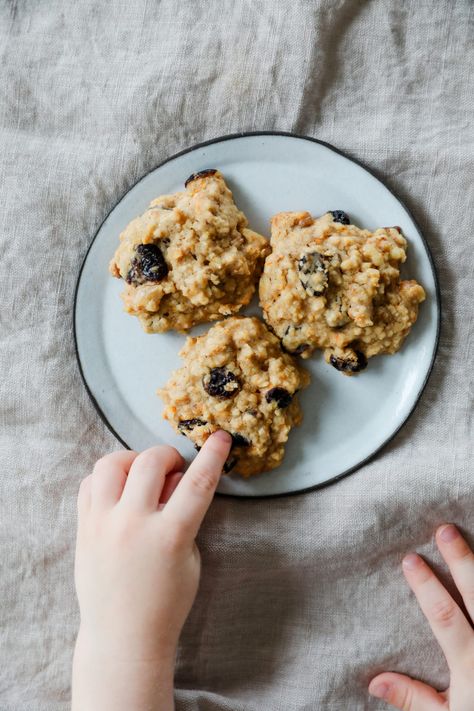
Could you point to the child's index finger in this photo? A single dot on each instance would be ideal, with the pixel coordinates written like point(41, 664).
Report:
point(193, 495)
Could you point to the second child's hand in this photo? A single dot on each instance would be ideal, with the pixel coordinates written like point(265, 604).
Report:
point(451, 627)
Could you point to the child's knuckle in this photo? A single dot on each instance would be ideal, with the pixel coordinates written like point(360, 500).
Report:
point(102, 462)
point(468, 595)
point(444, 612)
point(204, 480)
point(151, 457)
point(155, 455)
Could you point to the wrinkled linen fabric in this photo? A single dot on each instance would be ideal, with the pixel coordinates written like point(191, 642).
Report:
point(302, 598)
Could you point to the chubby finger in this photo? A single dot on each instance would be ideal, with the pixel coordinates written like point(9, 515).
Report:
point(171, 482)
point(109, 477)
point(188, 505)
point(406, 694)
point(449, 625)
point(147, 475)
point(460, 560)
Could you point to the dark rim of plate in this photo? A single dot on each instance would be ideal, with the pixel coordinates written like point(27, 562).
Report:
point(245, 134)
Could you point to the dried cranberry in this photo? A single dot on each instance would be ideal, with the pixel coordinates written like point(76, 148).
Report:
point(221, 383)
point(230, 464)
point(340, 216)
point(148, 264)
point(200, 174)
point(188, 425)
point(279, 395)
point(239, 440)
point(352, 363)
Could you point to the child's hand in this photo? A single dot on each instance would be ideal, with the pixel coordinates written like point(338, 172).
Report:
point(137, 571)
point(450, 626)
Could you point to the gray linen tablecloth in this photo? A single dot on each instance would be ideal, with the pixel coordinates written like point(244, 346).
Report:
point(302, 599)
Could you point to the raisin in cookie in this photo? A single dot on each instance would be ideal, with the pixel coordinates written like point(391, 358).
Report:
point(237, 378)
point(189, 258)
point(328, 284)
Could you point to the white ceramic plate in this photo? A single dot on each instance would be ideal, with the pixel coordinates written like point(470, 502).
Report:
point(346, 420)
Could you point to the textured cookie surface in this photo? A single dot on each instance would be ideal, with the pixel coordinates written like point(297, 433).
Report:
point(237, 378)
point(328, 284)
point(190, 258)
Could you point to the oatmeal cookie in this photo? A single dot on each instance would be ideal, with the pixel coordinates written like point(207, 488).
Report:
point(329, 284)
point(237, 378)
point(190, 258)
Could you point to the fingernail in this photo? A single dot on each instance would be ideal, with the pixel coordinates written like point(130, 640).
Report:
point(411, 561)
point(224, 436)
point(379, 690)
point(449, 533)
